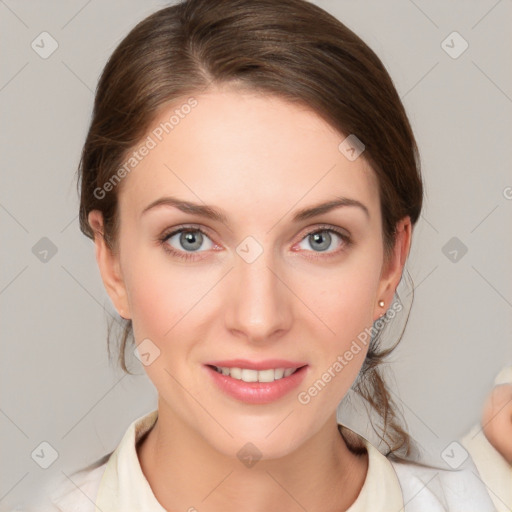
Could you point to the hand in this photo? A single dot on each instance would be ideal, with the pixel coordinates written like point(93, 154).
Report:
point(497, 420)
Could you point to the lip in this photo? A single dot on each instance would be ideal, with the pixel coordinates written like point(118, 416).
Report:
point(267, 364)
point(257, 392)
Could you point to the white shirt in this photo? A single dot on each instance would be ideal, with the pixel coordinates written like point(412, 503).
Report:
point(119, 485)
point(496, 473)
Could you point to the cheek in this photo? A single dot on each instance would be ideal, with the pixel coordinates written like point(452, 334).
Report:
point(163, 294)
point(160, 294)
point(345, 303)
point(345, 298)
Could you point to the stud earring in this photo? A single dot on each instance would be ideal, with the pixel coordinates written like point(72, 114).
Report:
point(381, 303)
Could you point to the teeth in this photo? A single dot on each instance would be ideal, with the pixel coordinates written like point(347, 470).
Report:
point(278, 373)
point(266, 375)
point(236, 373)
point(248, 375)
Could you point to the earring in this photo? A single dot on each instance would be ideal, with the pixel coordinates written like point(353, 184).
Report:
point(381, 303)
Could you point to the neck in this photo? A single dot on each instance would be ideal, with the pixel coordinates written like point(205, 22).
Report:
point(185, 472)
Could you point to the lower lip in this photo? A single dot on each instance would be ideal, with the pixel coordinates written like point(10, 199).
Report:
point(257, 392)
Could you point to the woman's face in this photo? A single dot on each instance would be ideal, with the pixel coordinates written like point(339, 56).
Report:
point(260, 286)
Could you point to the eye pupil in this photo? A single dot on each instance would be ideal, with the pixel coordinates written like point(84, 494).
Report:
point(191, 237)
point(322, 235)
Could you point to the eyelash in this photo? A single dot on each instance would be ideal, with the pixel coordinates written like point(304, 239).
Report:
point(190, 256)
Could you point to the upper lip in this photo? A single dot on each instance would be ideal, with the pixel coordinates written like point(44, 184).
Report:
point(267, 364)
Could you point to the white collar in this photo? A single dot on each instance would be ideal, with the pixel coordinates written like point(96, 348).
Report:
point(124, 486)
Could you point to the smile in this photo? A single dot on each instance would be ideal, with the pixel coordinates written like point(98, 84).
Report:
point(264, 383)
point(248, 375)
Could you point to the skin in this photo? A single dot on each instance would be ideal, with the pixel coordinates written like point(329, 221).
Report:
point(259, 159)
point(497, 420)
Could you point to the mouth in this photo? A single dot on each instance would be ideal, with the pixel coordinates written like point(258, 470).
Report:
point(256, 383)
point(250, 375)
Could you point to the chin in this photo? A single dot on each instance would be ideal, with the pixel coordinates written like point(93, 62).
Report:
point(251, 450)
point(260, 438)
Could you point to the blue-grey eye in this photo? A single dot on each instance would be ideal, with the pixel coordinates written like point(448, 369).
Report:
point(321, 240)
point(189, 240)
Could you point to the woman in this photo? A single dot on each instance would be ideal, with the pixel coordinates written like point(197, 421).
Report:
point(251, 183)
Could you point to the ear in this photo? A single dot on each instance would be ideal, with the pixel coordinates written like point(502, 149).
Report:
point(109, 266)
point(392, 269)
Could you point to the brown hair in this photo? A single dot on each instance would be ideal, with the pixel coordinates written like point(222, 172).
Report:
point(291, 49)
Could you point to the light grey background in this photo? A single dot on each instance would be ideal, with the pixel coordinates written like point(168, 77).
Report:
point(56, 383)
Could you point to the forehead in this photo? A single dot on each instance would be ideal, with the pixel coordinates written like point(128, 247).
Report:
point(239, 148)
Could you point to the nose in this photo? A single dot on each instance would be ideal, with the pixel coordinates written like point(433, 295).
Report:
point(260, 304)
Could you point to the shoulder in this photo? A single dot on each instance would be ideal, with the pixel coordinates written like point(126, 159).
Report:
point(433, 489)
point(79, 493)
point(72, 493)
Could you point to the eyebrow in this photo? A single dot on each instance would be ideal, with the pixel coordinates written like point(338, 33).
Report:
point(215, 214)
